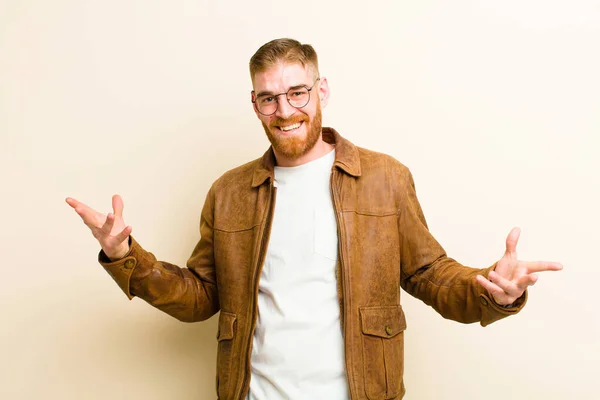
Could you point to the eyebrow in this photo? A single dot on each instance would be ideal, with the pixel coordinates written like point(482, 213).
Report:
point(265, 93)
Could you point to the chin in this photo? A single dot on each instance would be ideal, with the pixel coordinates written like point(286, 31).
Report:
point(297, 142)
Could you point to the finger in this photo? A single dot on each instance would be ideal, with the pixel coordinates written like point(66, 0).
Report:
point(117, 204)
point(527, 280)
point(539, 266)
point(511, 242)
point(123, 235)
point(108, 224)
point(492, 288)
point(506, 285)
point(87, 214)
point(77, 205)
point(72, 202)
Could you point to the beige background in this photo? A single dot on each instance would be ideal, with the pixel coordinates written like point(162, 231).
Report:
point(494, 105)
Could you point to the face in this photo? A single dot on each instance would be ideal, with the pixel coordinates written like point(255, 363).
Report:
point(293, 132)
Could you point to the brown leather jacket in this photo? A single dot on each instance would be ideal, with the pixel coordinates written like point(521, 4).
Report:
point(384, 245)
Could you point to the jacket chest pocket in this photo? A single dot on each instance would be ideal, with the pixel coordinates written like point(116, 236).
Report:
point(383, 351)
point(225, 338)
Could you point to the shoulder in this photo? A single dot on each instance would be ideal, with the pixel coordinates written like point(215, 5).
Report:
point(237, 177)
point(375, 163)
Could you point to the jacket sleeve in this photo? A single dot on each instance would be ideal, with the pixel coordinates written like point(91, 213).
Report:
point(188, 294)
point(439, 281)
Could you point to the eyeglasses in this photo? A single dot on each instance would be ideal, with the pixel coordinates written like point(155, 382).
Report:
point(298, 97)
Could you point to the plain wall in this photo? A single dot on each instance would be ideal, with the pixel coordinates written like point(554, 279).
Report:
point(493, 105)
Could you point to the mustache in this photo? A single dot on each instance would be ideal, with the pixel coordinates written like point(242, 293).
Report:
point(289, 121)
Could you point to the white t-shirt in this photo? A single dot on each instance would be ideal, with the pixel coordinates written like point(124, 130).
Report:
point(298, 350)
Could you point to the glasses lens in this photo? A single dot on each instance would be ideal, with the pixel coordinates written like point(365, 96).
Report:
point(266, 104)
point(298, 97)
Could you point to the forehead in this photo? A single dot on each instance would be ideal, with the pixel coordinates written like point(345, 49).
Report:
point(282, 76)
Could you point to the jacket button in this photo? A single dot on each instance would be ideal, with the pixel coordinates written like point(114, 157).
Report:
point(484, 301)
point(129, 264)
point(388, 330)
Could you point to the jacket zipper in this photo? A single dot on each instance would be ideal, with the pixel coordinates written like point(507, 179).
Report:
point(266, 234)
point(343, 305)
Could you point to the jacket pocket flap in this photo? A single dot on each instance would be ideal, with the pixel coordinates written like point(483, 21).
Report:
point(226, 326)
point(386, 322)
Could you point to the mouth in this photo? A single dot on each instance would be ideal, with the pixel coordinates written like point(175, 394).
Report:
point(290, 129)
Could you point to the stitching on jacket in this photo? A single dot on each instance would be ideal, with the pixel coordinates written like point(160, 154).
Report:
point(371, 213)
point(236, 230)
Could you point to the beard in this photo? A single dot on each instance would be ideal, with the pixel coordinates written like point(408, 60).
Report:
point(295, 147)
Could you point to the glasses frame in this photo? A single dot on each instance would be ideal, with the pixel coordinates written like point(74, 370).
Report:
point(276, 96)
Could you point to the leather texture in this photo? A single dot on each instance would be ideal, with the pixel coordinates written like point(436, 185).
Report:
point(384, 245)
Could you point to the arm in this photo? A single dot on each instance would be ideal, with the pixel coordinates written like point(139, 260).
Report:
point(188, 294)
point(430, 275)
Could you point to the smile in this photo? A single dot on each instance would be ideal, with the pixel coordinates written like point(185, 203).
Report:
point(289, 128)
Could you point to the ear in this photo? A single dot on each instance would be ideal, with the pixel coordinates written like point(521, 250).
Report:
point(253, 99)
point(323, 92)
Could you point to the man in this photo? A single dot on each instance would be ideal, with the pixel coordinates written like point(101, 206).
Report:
point(304, 252)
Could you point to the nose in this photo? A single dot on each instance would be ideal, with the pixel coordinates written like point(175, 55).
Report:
point(284, 108)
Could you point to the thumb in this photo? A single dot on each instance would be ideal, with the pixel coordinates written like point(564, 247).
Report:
point(117, 205)
point(511, 241)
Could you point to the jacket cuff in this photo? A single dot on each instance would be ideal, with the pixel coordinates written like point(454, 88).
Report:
point(492, 311)
point(122, 269)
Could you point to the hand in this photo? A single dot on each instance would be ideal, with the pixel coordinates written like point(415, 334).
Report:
point(110, 230)
point(511, 277)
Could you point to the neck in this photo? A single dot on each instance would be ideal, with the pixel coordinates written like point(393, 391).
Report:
point(319, 150)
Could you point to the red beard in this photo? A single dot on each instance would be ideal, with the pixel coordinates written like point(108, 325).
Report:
point(295, 147)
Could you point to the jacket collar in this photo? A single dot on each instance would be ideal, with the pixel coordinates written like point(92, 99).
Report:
point(346, 158)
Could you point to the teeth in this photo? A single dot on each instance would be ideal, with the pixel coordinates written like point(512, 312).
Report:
point(290, 127)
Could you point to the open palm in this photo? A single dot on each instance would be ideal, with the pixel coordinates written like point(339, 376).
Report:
point(511, 277)
point(110, 230)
